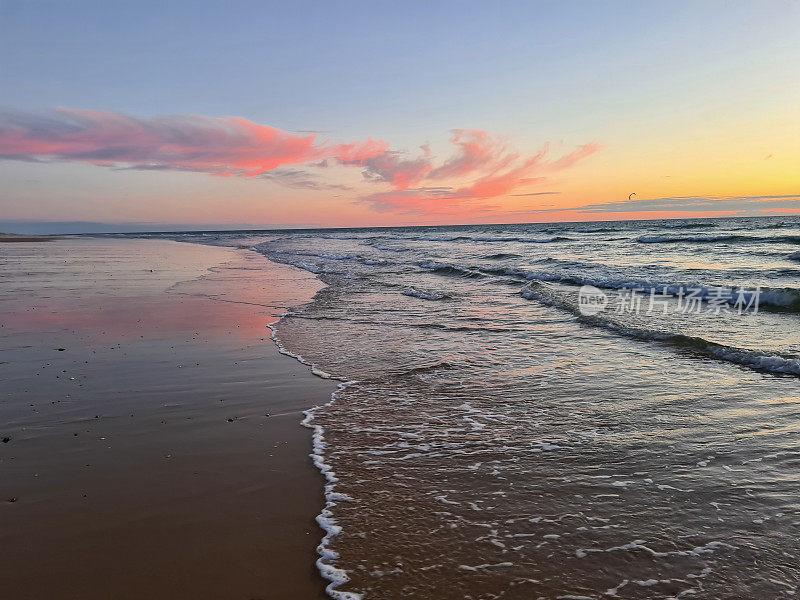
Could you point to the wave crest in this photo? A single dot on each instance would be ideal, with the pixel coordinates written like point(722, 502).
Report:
point(451, 270)
point(753, 359)
point(414, 292)
point(710, 239)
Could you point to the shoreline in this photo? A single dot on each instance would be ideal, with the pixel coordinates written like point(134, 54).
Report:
point(335, 575)
point(207, 492)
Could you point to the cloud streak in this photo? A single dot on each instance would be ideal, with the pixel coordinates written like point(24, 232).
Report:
point(681, 204)
point(224, 146)
point(300, 179)
point(706, 205)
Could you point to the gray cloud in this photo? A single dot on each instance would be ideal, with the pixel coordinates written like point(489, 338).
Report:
point(743, 205)
point(697, 203)
point(537, 194)
point(300, 179)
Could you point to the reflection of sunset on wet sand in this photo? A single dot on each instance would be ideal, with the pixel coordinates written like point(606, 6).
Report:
point(100, 296)
point(153, 426)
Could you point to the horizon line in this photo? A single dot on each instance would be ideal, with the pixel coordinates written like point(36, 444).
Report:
point(215, 227)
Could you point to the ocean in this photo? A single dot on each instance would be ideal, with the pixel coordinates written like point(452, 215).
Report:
point(581, 410)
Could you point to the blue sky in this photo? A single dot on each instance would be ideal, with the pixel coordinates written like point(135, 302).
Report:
point(635, 77)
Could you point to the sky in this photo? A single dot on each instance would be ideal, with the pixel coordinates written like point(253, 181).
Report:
point(385, 113)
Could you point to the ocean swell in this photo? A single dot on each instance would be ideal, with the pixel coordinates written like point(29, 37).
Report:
point(782, 299)
point(709, 239)
point(753, 359)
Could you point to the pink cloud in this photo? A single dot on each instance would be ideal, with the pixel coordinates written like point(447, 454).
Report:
point(428, 202)
point(483, 165)
point(224, 146)
point(570, 159)
point(495, 169)
point(401, 173)
point(476, 150)
point(496, 184)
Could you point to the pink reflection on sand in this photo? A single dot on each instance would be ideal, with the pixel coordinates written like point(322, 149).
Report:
point(118, 318)
point(114, 289)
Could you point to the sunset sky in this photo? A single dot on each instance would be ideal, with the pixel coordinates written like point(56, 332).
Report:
point(377, 113)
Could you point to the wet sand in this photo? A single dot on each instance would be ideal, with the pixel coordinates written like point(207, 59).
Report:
point(152, 439)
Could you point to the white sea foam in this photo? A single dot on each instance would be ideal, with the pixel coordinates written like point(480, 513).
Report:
point(639, 545)
point(484, 566)
point(326, 519)
point(423, 295)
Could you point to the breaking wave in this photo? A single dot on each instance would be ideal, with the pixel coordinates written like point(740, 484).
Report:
point(423, 295)
point(753, 359)
point(452, 270)
point(710, 239)
point(787, 299)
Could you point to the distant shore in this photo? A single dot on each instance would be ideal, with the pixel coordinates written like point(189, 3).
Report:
point(15, 237)
point(153, 446)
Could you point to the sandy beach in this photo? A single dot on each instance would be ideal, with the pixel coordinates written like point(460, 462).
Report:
point(153, 446)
